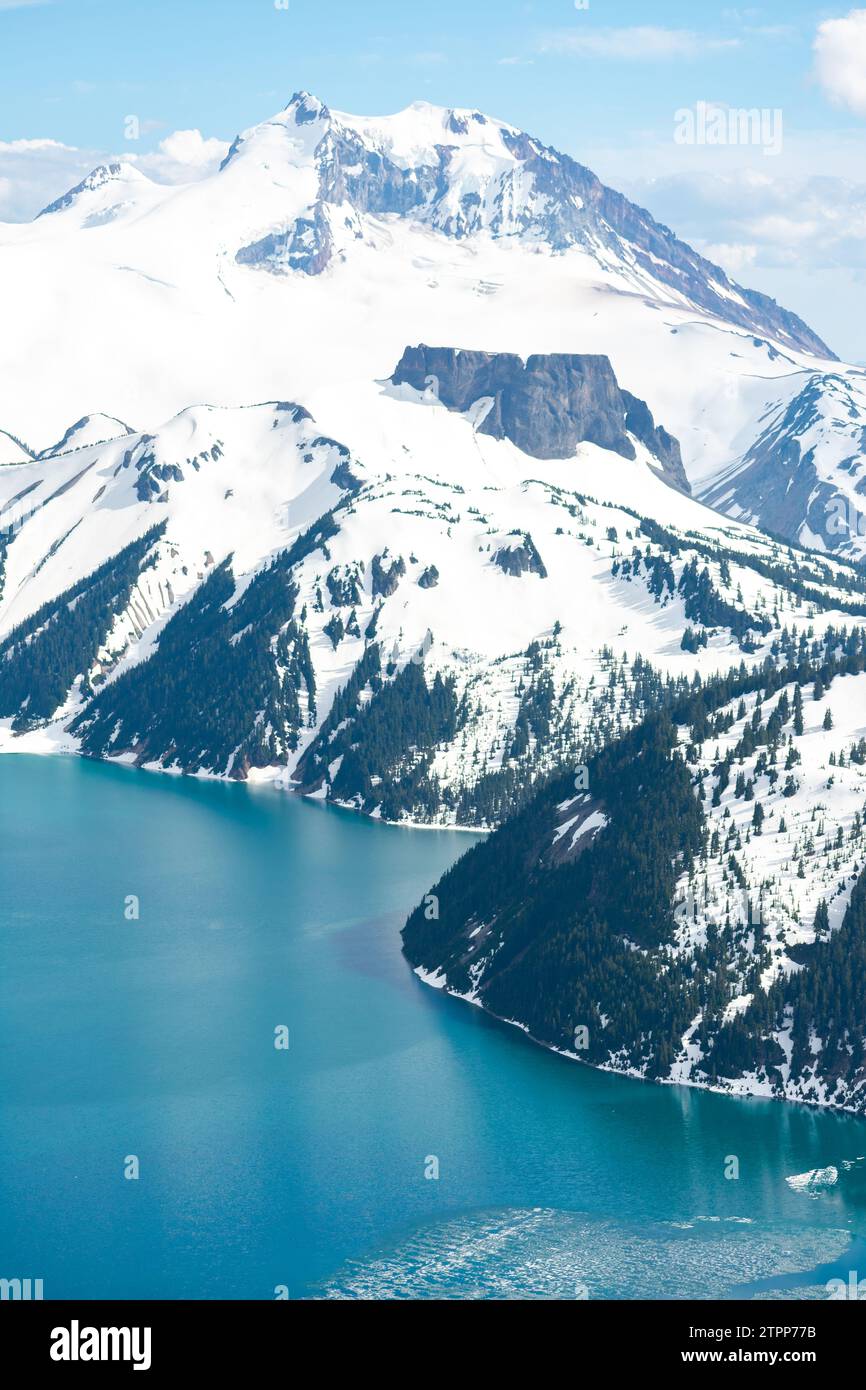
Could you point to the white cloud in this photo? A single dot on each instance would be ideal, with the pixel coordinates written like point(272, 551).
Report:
point(815, 222)
point(34, 172)
point(182, 156)
point(642, 43)
point(840, 60)
point(22, 146)
point(734, 257)
point(800, 239)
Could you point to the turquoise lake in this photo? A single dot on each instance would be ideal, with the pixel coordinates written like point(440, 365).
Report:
point(306, 1168)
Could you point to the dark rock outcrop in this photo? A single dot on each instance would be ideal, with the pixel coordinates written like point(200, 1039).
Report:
point(520, 558)
point(306, 246)
point(639, 422)
point(546, 406)
point(386, 580)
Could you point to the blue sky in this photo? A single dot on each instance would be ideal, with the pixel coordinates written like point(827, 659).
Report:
point(603, 83)
point(73, 68)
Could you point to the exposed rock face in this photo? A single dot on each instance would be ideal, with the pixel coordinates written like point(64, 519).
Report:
point(153, 476)
point(366, 179)
point(580, 209)
point(546, 406)
point(308, 109)
point(639, 422)
point(429, 579)
point(524, 190)
point(306, 246)
point(386, 578)
point(520, 558)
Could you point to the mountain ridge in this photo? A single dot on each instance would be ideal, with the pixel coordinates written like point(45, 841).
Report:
point(396, 633)
point(544, 194)
point(256, 282)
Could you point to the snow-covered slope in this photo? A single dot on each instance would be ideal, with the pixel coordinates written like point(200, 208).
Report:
point(226, 482)
point(105, 195)
point(12, 450)
point(90, 429)
point(328, 242)
point(691, 908)
point(804, 474)
point(517, 610)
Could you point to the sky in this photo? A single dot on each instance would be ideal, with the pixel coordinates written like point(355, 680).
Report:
point(640, 92)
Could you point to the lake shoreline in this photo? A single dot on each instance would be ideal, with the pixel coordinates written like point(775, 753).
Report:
point(262, 1166)
point(431, 981)
point(65, 747)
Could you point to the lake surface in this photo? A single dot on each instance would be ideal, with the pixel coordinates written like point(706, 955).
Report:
point(307, 1168)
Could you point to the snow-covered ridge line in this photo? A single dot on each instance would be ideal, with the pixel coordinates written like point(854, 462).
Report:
point(256, 282)
point(341, 578)
point(462, 173)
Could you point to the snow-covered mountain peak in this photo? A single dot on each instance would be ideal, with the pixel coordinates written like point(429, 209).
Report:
point(105, 185)
point(286, 140)
point(413, 138)
point(328, 242)
point(805, 474)
point(305, 109)
point(420, 133)
point(467, 177)
point(309, 189)
point(90, 429)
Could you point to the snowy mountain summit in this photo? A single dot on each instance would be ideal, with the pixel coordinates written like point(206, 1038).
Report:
point(327, 242)
point(461, 173)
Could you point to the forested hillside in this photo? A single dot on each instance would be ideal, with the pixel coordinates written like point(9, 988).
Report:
point(695, 912)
